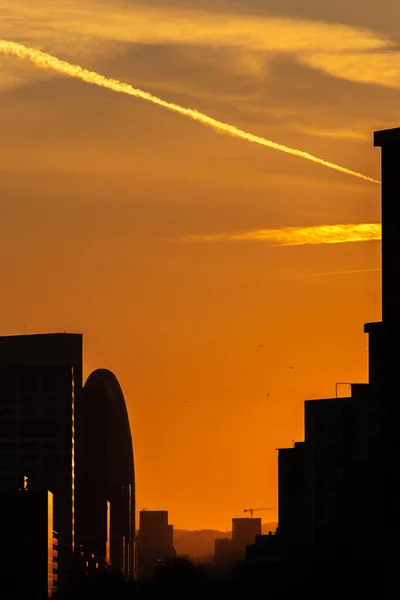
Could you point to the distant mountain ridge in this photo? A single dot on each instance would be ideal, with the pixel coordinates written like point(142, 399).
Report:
point(200, 544)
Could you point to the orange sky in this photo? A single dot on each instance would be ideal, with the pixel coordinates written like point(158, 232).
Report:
point(99, 191)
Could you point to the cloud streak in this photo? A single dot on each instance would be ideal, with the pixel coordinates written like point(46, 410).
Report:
point(368, 68)
point(299, 236)
point(330, 273)
point(335, 134)
point(96, 29)
point(144, 24)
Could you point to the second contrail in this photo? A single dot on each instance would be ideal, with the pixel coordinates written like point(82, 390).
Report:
point(47, 61)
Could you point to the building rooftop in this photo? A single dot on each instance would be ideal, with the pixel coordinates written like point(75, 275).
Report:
point(387, 136)
point(40, 335)
point(327, 402)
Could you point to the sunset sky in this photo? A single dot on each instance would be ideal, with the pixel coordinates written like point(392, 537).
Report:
point(165, 243)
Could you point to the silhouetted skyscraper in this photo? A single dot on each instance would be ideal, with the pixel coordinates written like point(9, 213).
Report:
point(106, 473)
point(37, 439)
point(352, 445)
point(389, 395)
point(37, 422)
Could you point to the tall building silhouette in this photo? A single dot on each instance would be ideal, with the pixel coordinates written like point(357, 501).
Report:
point(106, 474)
point(348, 470)
point(72, 440)
point(387, 394)
point(38, 376)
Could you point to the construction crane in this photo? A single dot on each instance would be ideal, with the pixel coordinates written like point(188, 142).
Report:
point(251, 510)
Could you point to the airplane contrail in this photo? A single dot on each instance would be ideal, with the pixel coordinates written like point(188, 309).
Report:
point(47, 61)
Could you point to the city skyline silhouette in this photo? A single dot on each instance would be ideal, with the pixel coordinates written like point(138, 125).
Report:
point(99, 191)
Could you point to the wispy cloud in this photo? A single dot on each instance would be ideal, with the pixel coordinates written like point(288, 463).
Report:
point(299, 236)
point(330, 273)
point(95, 29)
point(341, 134)
point(382, 68)
point(146, 24)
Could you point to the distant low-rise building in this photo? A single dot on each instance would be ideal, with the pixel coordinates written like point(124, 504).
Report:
point(244, 532)
point(224, 555)
point(155, 541)
point(265, 550)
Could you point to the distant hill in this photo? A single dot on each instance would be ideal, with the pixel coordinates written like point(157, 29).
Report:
point(200, 544)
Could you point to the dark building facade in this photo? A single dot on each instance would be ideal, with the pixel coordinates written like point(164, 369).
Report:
point(291, 501)
point(44, 349)
point(106, 511)
point(330, 485)
point(155, 541)
point(329, 454)
point(244, 530)
point(351, 453)
point(26, 525)
point(37, 439)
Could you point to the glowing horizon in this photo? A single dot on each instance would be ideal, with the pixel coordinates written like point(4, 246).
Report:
point(299, 236)
point(47, 61)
